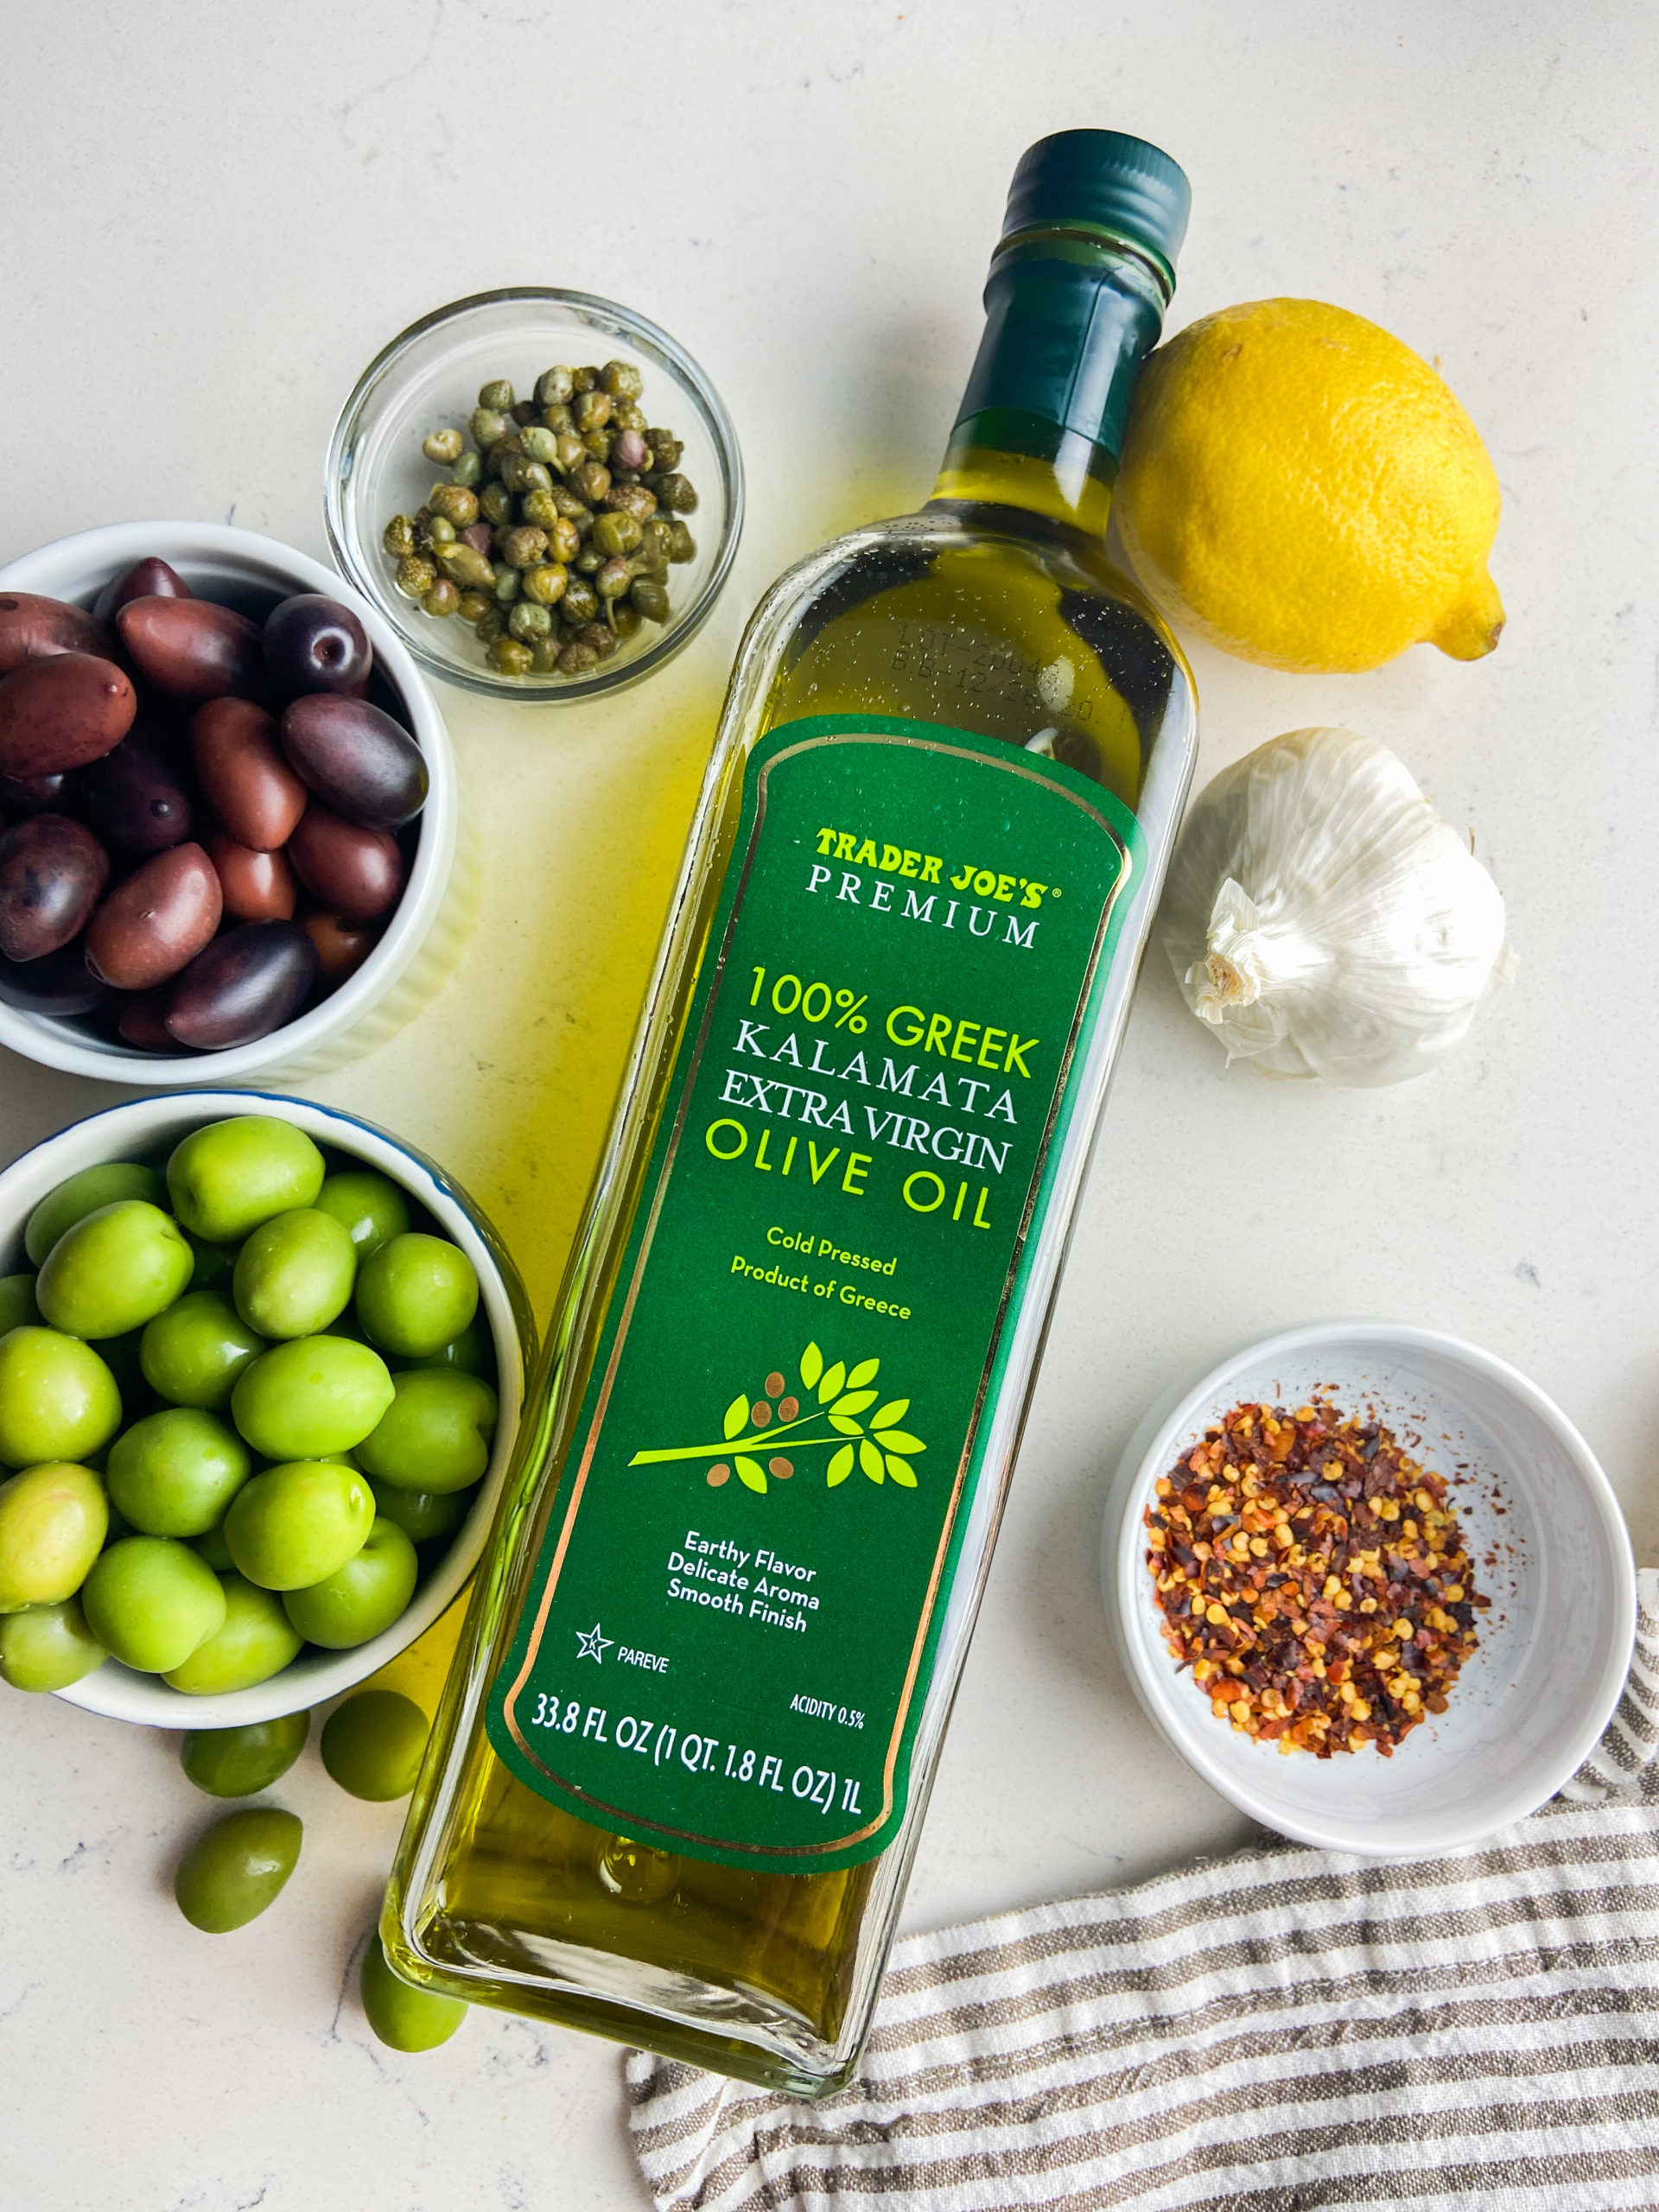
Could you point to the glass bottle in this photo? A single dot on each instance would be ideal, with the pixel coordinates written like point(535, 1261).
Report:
point(680, 1767)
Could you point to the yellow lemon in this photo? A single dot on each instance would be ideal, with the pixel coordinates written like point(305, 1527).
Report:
point(1302, 490)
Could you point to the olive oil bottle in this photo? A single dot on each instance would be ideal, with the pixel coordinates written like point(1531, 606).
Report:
point(681, 1764)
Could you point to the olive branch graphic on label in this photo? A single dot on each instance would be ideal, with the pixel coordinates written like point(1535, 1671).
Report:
point(879, 1446)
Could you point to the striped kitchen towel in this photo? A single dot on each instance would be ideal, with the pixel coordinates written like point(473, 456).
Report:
point(1280, 2030)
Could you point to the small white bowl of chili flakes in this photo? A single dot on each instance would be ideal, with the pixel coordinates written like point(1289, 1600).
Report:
point(1373, 1585)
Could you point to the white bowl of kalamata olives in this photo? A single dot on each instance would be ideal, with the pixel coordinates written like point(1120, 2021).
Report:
point(239, 1470)
point(228, 811)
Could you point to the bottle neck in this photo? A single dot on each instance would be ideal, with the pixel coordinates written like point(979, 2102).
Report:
point(1069, 319)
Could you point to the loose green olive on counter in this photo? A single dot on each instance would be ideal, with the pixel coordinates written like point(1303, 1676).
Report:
point(175, 1472)
point(361, 1599)
point(373, 1745)
point(237, 1868)
point(369, 1207)
point(241, 1761)
point(84, 1193)
point(192, 1354)
point(58, 1398)
point(255, 1641)
point(294, 1274)
point(114, 1270)
point(295, 1524)
point(48, 1647)
point(402, 2017)
point(227, 1178)
point(415, 1295)
point(436, 1433)
point(304, 1400)
point(151, 1601)
point(53, 1522)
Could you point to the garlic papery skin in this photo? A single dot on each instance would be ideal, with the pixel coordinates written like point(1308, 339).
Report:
point(1323, 920)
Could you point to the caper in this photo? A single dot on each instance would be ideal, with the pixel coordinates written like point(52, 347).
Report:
point(615, 533)
point(558, 419)
point(613, 579)
point(625, 617)
point(541, 445)
point(629, 450)
point(439, 531)
point(581, 601)
point(538, 507)
point(508, 657)
point(684, 547)
point(543, 585)
point(508, 584)
point(657, 537)
point(651, 598)
point(528, 622)
point(592, 481)
point(554, 386)
point(523, 411)
point(456, 504)
point(465, 566)
point(444, 598)
point(584, 379)
point(676, 493)
point(415, 575)
point(576, 658)
point(564, 539)
point(591, 411)
point(520, 474)
point(627, 415)
point(665, 449)
point(649, 560)
point(398, 535)
point(474, 605)
point(498, 393)
point(544, 654)
point(490, 625)
point(526, 547)
point(571, 452)
point(467, 469)
point(600, 638)
point(597, 444)
point(621, 380)
point(488, 426)
point(441, 445)
point(495, 503)
point(589, 561)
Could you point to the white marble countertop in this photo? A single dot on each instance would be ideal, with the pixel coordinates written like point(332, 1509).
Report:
point(215, 215)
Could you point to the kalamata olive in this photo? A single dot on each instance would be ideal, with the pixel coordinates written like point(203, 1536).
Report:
point(147, 579)
point(157, 921)
point(243, 774)
point(357, 760)
point(60, 983)
point(314, 644)
point(33, 794)
point(193, 648)
point(342, 947)
point(51, 873)
point(62, 712)
point(132, 798)
point(33, 628)
point(257, 886)
point(246, 983)
point(141, 1020)
point(356, 873)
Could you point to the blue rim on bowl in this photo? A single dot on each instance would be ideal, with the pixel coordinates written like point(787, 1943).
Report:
point(428, 378)
point(139, 1126)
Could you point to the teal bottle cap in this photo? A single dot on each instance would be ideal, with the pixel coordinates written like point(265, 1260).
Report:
point(1102, 182)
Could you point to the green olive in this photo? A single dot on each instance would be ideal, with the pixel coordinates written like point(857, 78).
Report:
point(48, 1647)
point(305, 1399)
point(175, 1472)
point(296, 1524)
point(416, 1294)
point(362, 1599)
point(371, 1745)
point(114, 1270)
point(404, 2018)
point(368, 1206)
point(151, 1601)
point(241, 1761)
point(236, 1868)
point(441, 445)
point(294, 1273)
point(212, 1547)
point(58, 1399)
point(256, 1641)
point(472, 1352)
point(85, 1193)
point(19, 1307)
point(192, 1354)
point(214, 1263)
point(435, 1434)
point(53, 1522)
point(424, 1516)
point(228, 1177)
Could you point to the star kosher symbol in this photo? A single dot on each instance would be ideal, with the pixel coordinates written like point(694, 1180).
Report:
point(590, 1644)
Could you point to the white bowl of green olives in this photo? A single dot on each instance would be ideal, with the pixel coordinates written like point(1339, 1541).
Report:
point(540, 490)
point(347, 969)
point(203, 1297)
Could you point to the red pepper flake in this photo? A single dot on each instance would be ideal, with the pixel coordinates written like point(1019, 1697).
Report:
point(1314, 1578)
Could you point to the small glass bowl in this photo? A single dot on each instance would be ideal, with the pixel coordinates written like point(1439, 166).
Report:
point(428, 380)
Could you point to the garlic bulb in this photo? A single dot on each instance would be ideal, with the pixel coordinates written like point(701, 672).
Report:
point(1323, 919)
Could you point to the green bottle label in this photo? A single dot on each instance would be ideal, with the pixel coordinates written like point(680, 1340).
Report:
point(728, 1636)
